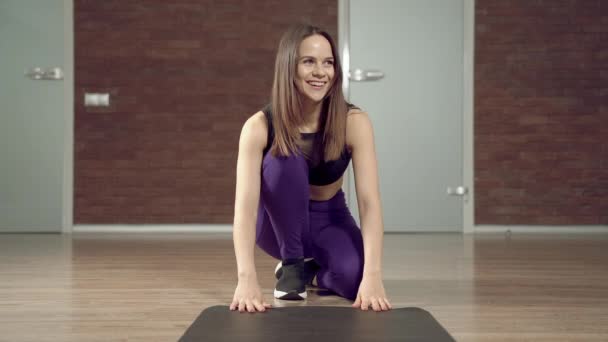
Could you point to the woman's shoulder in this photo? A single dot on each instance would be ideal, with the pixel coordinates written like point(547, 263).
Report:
point(258, 118)
point(354, 113)
point(255, 129)
point(358, 125)
point(259, 122)
point(352, 109)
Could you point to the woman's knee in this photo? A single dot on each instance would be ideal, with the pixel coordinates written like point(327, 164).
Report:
point(351, 268)
point(344, 277)
point(345, 284)
point(284, 171)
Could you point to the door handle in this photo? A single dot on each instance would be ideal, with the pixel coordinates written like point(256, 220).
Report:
point(38, 73)
point(359, 75)
point(458, 191)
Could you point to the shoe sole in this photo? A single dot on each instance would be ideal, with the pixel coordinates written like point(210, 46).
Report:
point(293, 295)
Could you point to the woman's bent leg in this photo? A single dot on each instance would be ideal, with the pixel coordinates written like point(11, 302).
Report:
point(343, 261)
point(283, 212)
point(337, 247)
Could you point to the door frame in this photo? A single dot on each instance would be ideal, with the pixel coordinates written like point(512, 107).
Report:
point(468, 207)
point(68, 118)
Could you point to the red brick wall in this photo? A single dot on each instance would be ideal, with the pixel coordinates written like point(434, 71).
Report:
point(183, 77)
point(541, 112)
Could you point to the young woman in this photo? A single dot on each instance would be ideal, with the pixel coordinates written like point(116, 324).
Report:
point(289, 199)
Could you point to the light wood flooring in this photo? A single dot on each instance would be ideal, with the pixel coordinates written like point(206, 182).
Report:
point(150, 287)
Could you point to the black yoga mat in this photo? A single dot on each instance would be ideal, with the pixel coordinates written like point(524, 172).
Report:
point(315, 324)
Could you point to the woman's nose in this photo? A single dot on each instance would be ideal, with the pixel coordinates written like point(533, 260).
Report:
point(318, 70)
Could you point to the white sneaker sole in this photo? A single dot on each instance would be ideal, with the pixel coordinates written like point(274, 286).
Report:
point(289, 295)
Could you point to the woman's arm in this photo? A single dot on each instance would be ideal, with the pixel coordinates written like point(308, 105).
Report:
point(360, 136)
point(248, 295)
point(251, 146)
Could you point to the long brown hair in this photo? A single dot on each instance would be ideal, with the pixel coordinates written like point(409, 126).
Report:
point(286, 102)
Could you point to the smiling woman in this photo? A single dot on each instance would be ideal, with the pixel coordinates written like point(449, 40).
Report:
point(308, 55)
point(289, 201)
point(315, 68)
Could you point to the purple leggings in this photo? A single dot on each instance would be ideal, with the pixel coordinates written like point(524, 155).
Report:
point(291, 225)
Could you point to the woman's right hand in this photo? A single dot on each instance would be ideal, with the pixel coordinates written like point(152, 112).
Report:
point(248, 296)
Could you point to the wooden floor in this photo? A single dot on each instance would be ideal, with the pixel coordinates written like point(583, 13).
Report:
point(120, 287)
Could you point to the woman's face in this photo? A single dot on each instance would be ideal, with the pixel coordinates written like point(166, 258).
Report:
point(315, 72)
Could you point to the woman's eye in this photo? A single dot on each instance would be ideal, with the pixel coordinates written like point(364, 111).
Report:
point(308, 61)
point(329, 62)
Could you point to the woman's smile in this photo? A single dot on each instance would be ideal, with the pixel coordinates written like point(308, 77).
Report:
point(317, 85)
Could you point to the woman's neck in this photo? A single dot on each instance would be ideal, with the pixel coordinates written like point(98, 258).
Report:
point(311, 113)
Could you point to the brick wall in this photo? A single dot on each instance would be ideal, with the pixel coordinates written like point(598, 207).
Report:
point(541, 112)
point(183, 77)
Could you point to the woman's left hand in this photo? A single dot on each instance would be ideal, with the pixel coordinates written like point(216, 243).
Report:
point(371, 292)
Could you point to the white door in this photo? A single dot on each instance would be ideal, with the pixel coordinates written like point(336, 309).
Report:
point(416, 108)
point(32, 116)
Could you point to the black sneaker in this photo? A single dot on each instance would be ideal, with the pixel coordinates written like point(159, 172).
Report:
point(310, 270)
point(291, 285)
